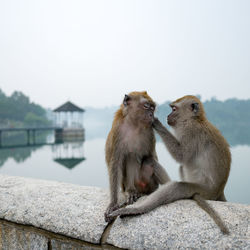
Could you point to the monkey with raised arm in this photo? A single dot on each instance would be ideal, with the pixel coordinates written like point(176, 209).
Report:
point(204, 156)
point(130, 151)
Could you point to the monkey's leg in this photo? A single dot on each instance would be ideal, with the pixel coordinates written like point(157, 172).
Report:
point(222, 197)
point(171, 192)
point(147, 182)
point(165, 194)
point(132, 176)
point(159, 172)
point(181, 173)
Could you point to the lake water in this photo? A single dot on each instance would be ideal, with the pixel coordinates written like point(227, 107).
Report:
point(83, 163)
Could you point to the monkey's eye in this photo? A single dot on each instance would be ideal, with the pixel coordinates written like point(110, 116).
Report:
point(152, 108)
point(174, 108)
point(146, 105)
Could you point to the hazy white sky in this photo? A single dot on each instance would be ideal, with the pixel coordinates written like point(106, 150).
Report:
point(93, 52)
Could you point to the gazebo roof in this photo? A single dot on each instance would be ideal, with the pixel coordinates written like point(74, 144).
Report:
point(69, 162)
point(68, 107)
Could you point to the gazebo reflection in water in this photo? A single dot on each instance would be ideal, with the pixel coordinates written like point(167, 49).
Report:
point(68, 154)
point(68, 148)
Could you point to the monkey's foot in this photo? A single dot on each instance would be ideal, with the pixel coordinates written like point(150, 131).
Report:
point(116, 213)
point(133, 197)
point(111, 208)
point(124, 212)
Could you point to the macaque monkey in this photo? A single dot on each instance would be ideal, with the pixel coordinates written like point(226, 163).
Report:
point(204, 156)
point(130, 151)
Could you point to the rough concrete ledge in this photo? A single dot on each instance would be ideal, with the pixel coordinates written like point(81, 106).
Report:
point(65, 216)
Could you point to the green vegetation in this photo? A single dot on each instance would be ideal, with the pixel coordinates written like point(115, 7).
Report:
point(18, 154)
point(17, 111)
point(231, 117)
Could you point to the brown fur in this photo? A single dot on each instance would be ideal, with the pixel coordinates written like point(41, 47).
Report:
point(130, 151)
point(204, 156)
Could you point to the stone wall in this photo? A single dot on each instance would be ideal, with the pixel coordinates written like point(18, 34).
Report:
point(15, 236)
point(37, 214)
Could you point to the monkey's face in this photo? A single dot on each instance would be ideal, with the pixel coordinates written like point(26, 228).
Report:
point(146, 111)
point(184, 110)
point(141, 112)
point(173, 116)
point(139, 109)
point(180, 114)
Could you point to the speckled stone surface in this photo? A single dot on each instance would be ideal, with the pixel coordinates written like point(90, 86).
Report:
point(183, 225)
point(12, 238)
point(67, 209)
point(77, 212)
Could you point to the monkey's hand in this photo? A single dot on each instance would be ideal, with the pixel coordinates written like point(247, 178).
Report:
point(111, 208)
point(157, 125)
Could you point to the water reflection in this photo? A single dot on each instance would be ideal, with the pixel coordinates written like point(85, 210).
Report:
point(19, 155)
point(68, 154)
point(83, 163)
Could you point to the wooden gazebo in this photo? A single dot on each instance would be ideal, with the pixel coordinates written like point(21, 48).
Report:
point(70, 118)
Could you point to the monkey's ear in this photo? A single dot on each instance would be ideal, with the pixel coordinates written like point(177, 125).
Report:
point(126, 100)
point(195, 107)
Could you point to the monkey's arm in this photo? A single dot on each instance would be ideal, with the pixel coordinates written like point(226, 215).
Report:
point(172, 144)
point(114, 177)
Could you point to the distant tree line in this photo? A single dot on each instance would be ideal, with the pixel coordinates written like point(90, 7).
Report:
point(231, 117)
point(17, 111)
point(19, 154)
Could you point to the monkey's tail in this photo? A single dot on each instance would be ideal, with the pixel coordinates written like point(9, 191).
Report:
point(206, 207)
